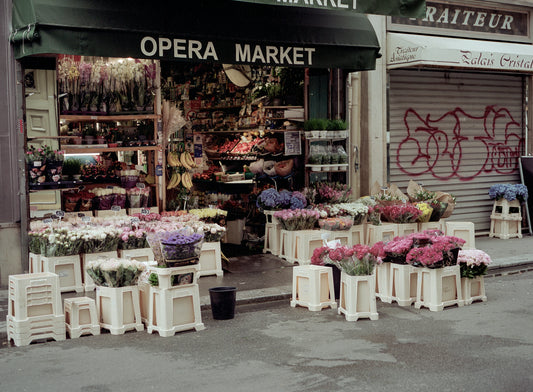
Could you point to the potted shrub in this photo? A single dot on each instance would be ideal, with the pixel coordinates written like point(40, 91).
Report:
point(72, 168)
point(89, 133)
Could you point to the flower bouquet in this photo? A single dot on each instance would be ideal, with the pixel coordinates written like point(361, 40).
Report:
point(432, 249)
point(354, 261)
point(61, 242)
point(115, 272)
point(298, 219)
point(397, 249)
point(400, 213)
point(509, 192)
point(101, 239)
point(176, 248)
point(425, 211)
point(337, 223)
point(473, 263)
point(210, 215)
point(133, 239)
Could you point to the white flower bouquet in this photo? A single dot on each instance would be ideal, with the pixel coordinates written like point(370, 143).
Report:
point(109, 272)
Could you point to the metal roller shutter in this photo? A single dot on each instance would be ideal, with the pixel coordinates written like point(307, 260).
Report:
point(456, 132)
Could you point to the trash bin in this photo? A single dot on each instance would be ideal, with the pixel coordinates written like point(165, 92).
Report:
point(223, 302)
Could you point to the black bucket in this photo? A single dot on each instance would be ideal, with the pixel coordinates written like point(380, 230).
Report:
point(223, 302)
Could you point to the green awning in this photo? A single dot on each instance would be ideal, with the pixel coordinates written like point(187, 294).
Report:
point(406, 8)
point(223, 31)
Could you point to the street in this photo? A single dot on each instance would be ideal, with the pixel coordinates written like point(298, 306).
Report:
point(273, 347)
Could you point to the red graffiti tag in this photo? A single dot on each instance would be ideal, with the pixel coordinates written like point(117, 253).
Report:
point(441, 146)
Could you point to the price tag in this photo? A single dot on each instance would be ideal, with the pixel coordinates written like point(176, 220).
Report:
point(86, 219)
point(81, 214)
point(54, 217)
point(47, 221)
point(109, 187)
point(145, 211)
point(115, 208)
point(60, 214)
point(140, 185)
point(135, 220)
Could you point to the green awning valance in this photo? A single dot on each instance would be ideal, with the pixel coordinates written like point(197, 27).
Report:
point(223, 31)
point(406, 8)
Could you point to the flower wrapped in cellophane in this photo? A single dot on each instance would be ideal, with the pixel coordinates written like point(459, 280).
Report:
point(110, 272)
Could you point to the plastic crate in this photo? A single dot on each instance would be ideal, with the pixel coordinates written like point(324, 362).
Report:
point(119, 309)
point(210, 259)
point(505, 227)
point(440, 225)
point(33, 295)
point(438, 288)
point(358, 297)
point(407, 228)
point(358, 234)
point(174, 310)
point(312, 287)
point(81, 317)
point(68, 268)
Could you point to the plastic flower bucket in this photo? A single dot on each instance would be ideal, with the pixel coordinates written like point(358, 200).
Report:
point(223, 302)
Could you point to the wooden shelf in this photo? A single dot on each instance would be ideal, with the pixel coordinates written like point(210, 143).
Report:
point(92, 150)
point(122, 117)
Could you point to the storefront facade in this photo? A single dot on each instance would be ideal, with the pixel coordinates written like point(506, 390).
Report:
point(455, 88)
point(307, 36)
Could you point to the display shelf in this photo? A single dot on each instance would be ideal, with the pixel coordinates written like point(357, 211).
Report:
point(104, 118)
point(69, 149)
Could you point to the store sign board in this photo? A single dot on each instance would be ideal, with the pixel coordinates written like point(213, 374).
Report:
point(469, 19)
point(411, 8)
point(441, 51)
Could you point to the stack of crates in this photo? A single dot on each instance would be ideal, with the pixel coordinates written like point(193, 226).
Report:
point(35, 310)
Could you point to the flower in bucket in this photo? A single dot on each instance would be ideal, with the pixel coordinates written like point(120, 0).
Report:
point(180, 245)
point(61, 242)
point(101, 239)
point(509, 192)
point(269, 199)
point(397, 249)
point(400, 213)
point(298, 219)
point(133, 239)
point(356, 260)
point(111, 272)
point(473, 262)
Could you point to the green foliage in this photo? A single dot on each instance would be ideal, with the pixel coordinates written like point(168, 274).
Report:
point(337, 125)
point(72, 166)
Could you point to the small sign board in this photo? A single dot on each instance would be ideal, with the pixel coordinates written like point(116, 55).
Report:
point(115, 208)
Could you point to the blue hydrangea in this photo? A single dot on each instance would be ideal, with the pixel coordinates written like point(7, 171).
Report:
point(508, 191)
point(285, 198)
point(269, 198)
point(298, 201)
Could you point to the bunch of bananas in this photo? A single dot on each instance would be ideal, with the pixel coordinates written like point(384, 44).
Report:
point(180, 163)
point(183, 159)
point(186, 180)
point(174, 181)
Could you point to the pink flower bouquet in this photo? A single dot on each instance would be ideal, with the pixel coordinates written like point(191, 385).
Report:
point(298, 219)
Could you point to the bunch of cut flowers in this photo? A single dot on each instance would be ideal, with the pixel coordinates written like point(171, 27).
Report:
point(178, 245)
point(473, 263)
point(110, 272)
point(400, 213)
point(59, 242)
point(433, 249)
point(212, 232)
point(298, 219)
point(509, 192)
point(100, 239)
point(331, 193)
point(271, 199)
point(133, 239)
point(356, 260)
point(210, 215)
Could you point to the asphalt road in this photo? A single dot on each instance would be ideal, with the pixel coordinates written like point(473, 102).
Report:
point(273, 347)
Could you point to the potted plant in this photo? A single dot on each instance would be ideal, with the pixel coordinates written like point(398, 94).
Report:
point(72, 168)
point(89, 133)
point(101, 134)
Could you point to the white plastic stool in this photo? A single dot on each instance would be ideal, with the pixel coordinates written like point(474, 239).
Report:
point(68, 268)
point(34, 263)
point(119, 309)
point(286, 245)
point(464, 230)
point(407, 228)
point(383, 288)
point(312, 287)
point(473, 289)
point(305, 242)
point(358, 297)
point(344, 236)
point(403, 281)
point(210, 259)
point(438, 288)
point(141, 254)
point(173, 310)
point(80, 317)
point(272, 238)
point(440, 225)
point(358, 234)
point(384, 232)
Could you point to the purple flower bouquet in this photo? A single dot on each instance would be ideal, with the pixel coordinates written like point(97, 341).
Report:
point(176, 248)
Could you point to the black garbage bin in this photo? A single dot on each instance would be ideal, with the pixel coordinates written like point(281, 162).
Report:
point(223, 302)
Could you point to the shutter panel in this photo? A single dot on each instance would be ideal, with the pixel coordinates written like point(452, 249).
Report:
point(458, 133)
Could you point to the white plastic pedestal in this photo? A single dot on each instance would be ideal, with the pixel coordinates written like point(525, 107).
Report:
point(305, 242)
point(80, 317)
point(68, 268)
point(403, 280)
point(440, 225)
point(34, 308)
point(272, 238)
point(358, 297)
point(464, 230)
point(235, 231)
point(343, 236)
point(383, 281)
point(438, 288)
point(473, 289)
point(173, 310)
point(384, 232)
point(210, 259)
point(286, 245)
point(119, 309)
point(407, 228)
point(34, 265)
point(312, 287)
point(169, 278)
point(505, 224)
point(88, 282)
point(358, 234)
point(141, 254)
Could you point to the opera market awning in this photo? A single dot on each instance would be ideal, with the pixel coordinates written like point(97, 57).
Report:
point(409, 50)
point(406, 8)
point(223, 31)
